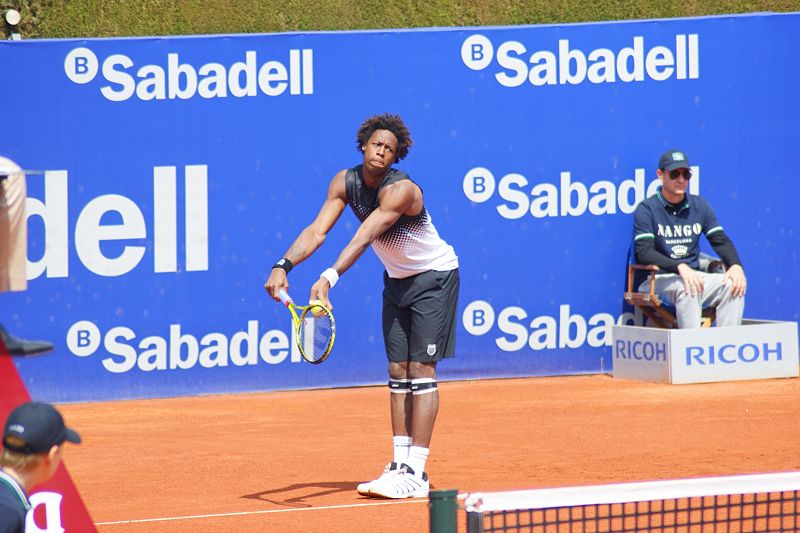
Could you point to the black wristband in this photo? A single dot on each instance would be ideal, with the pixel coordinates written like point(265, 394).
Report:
point(284, 264)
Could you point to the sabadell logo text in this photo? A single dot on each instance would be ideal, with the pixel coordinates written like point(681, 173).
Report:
point(122, 77)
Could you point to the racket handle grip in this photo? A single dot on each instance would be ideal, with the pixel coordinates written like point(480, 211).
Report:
point(284, 296)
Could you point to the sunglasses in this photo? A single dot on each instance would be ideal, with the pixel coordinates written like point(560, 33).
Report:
point(687, 174)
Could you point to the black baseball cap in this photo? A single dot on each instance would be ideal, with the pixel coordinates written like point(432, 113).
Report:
point(672, 159)
point(39, 425)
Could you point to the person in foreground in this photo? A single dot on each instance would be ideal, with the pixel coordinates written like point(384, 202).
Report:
point(421, 283)
point(33, 439)
point(667, 229)
point(14, 250)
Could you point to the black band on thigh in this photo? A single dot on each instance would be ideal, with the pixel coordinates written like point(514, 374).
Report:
point(423, 386)
point(400, 386)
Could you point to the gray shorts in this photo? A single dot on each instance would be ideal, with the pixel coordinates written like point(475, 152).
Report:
point(419, 316)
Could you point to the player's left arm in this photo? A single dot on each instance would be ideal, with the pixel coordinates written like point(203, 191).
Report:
point(396, 199)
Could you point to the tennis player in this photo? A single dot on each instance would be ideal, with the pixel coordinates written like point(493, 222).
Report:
point(420, 289)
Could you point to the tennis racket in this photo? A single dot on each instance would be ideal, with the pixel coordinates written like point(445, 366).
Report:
point(314, 327)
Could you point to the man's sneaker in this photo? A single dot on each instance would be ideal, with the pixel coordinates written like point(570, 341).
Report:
point(388, 471)
point(404, 484)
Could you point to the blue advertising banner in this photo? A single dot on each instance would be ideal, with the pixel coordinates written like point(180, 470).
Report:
point(176, 171)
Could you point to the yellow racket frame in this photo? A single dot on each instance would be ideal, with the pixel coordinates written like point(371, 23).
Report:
point(297, 321)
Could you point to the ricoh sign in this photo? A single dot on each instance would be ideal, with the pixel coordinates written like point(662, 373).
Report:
point(755, 350)
point(748, 353)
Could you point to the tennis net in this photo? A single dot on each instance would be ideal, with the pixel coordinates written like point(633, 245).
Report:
point(748, 503)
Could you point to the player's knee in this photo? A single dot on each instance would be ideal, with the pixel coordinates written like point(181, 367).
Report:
point(398, 370)
point(417, 369)
point(423, 386)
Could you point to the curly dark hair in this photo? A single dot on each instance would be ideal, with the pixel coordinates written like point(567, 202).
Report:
point(393, 123)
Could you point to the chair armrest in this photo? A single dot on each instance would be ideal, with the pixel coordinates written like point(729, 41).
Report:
point(644, 267)
point(650, 268)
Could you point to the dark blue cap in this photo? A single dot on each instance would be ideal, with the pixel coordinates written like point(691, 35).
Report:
point(39, 426)
point(672, 159)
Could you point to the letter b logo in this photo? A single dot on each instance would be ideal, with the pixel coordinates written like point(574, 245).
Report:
point(477, 52)
point(83, 338)
point(80, 65)
point(478, 185)
point(478, 317)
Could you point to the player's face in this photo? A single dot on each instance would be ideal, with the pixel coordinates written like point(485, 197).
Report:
point(380, 151)
point(674, 189)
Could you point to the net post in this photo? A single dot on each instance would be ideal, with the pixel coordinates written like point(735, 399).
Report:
point(474, 522)
point(443, 511)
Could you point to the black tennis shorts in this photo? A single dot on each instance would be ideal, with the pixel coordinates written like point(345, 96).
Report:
point(419, 316)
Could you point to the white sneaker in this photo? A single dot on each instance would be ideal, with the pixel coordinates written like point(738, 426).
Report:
point(405, 483)
point(388, 471)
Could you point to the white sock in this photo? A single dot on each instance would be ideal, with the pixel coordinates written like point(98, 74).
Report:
point(417, 455)
point(401, 446)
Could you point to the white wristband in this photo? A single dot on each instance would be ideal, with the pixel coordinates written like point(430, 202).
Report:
point(331, 275)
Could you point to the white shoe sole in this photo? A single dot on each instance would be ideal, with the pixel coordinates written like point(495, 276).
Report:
point(416, 494)
point(364, 489)
point(378, 491)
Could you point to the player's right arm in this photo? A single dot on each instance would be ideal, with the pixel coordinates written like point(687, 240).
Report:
point(312, 237)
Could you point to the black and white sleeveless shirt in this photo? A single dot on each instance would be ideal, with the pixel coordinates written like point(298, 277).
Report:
point(412, 245)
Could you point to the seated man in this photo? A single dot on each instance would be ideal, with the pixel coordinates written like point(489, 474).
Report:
point(14, 251)
point(667, 228)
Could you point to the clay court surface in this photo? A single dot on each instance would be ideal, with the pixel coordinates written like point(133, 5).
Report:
point(290, 461)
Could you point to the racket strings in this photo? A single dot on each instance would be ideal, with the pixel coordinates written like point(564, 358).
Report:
point(316, 333)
